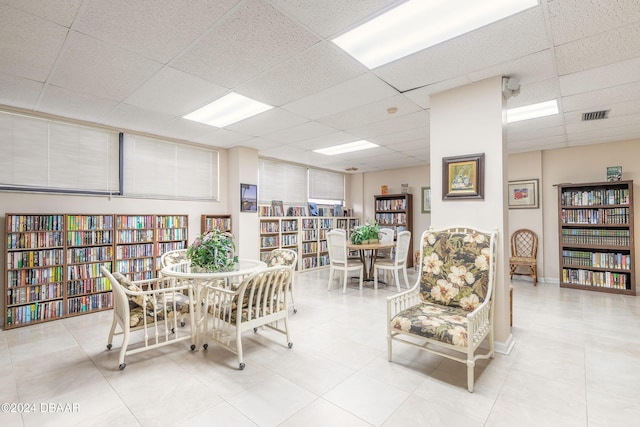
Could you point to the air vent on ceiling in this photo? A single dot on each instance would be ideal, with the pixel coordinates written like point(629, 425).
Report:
point(595, 115)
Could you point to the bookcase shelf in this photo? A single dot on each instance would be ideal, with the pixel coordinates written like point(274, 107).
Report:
point(53, 262)
point(305, 235)
point(595, 222)
point(395, 211)
point(215, 222)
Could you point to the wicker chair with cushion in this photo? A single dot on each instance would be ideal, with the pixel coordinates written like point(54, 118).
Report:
point(287, 258)
point(450, 308)
point(397, 264)
point(524, 252)
point(340, 261)
point(152, 305)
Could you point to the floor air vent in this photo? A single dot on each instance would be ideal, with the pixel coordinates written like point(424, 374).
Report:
point(595, 115)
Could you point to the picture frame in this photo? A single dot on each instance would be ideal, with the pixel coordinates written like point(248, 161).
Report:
point(426, 199)
point(463, 177)
point(248, 198)
point(523, 194)
point(614, 173)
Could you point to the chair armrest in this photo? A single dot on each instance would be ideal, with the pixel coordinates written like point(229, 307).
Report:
point(402, 301)
point(478, 322)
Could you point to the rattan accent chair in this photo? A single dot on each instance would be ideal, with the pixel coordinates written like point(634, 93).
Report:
point(524, 253)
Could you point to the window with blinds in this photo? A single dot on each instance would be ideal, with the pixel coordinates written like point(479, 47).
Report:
point(326, 187)
point(156, 168)
point(39, 154)
point(282, 181)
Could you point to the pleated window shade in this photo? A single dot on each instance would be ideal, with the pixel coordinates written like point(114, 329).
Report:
point(156, 168)
point(282, 181)
point(42, 154)
point(325, 185)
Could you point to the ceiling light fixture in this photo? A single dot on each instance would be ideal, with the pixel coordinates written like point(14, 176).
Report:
point(392, 110)
point(419, 24)
point(346, 148)
point(533, 111)
point(229, 109)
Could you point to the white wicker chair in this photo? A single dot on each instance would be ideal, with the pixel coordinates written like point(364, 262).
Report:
point(339, 260)
point(287, 258)
point(450, 308)
point(260, 300)
point(152, 305)
point(397, 264)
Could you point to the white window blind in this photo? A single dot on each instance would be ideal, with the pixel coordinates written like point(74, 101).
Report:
point(42, 154)
point(282, 181)
point(324, 185)
point(163, 169)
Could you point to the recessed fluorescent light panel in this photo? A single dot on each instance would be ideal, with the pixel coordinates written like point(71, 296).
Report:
point(346, 148)
point(532, 111)
point(229, 109)
point(419, 24)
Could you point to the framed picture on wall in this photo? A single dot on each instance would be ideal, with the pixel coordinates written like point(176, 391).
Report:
point(463, 177)
point(523, 194)
point(248, 198)
point(426, 199)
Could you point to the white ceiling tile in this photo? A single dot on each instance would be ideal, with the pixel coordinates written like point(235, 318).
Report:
point(601, 77)
point(417, 120)
point(407, 146)
point(60, 11)
point(535, 132)
point(601, 99)
point(221, 138)
point(307, 130)
point(180, 128)
point(128, 117)
point(93, 67)
point(550, 143)
point(604, 135)
point(59, 101)
point(29, 45)
point(326, 140)
point(616, 45)
point(576, 126)
point(260, 144)
point(497, 43)
point(535, 124)
point(353, 93)
point(174, 92)
point(19, 92)
point(264, 123)
point(533, 93)
point(576, 19)
point(529, 69)
point(315, 69)
point(328, 17)
point(371, 113)
point(154, 37)
point(252, 39)
point(422, 95)
point(391, 140)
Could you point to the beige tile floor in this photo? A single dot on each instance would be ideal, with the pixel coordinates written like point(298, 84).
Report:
point(576, 362)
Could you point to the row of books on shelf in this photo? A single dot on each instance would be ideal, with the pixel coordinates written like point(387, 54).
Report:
point(35, 276)
point(87, 286)
point(26, 294)
point(92, 254)
point(223, 224)
point(617, 261)
point(613, 196)
point(135, 221)
point(171, 221)
point(391, 204)
point(134, 251)
point(269, 241)
point(83, 238)
point(314, 262)
point(89, 222)
point(133, 265)
point(19, 223)
point(595, 216)
point(90, 303)
point(28, 259)
point(604, 279)
point(289, 240)
point(34, 240)
point(172, 234)
point(135, 236)
point(34, 312)
point(391, 218)
point(606, 237)
point(86, 271)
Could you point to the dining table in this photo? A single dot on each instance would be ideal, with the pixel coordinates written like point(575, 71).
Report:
point(368, 252)
point(200, 280)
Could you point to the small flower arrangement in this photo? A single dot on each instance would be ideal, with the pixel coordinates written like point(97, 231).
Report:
point(213, 251)
point(365, 233)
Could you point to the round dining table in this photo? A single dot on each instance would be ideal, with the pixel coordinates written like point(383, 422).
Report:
point(201, 279)
point(368, 253)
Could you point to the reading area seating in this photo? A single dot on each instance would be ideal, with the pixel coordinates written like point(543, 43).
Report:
point(152, 305)
point(450, 308)
point(524, 253)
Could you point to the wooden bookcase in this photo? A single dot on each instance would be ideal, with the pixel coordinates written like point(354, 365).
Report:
point(215, 222)
point(305, 235)
point(395, 211)
point(53, 261)
point(595, 229)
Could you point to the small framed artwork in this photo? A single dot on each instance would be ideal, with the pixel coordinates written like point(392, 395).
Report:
point(523, 194)
point(463, 177)
point(614, 173)
point(248, 198)
point(426, 199)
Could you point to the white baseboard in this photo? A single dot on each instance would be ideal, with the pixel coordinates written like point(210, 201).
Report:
point(506, 346)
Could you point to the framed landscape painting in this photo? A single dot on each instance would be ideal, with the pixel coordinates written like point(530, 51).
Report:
point(463, 177)
point(523, 194)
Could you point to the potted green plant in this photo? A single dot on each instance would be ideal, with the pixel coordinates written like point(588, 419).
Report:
point(365, 233)
point(213, 251)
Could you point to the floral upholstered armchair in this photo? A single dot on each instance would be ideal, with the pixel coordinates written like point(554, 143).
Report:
point(451, 305)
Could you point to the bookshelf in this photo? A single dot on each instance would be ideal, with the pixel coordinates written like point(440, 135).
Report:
point(215, 222)
point(395, 211)
point(305, 235)
point(596, 245)
point(53, 261)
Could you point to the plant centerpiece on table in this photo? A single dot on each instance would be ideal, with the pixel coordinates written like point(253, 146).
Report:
point(213, 251)
point(365, 233)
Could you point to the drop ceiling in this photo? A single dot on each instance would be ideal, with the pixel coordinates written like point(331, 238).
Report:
point(141, 65)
